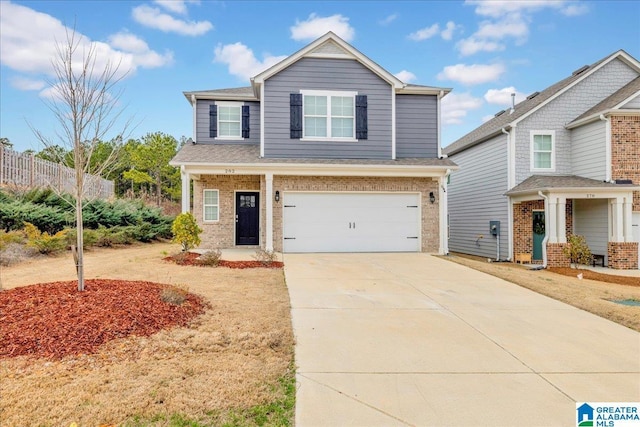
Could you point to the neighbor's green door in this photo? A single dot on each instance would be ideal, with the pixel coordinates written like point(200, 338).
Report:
point(538, 234)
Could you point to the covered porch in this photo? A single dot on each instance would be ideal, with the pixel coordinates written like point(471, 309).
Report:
point(547, 209)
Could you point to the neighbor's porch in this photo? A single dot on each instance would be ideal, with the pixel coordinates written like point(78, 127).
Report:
point(543, 222)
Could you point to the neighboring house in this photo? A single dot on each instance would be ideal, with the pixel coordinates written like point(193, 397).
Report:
point(564, 161)
point(325, 152)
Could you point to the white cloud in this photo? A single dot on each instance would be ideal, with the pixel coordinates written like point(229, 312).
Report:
point(241, 60)
point(509, 19)
point(25, 83)
point(175, 6)
point(425, 33)
point(471, 74)
point(434, 30)
point(447, 33)
point(153, 18)
point(28, 44)
point(316, 26)
point(487, 118)
point(513, 26)
point(472, 45)
point(575, 9)
point(456, 105)
point(388, 20)
point(142, 55)
point(406, 76)
point(503, 96)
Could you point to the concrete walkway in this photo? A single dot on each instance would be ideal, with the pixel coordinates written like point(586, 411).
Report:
point(411, 339)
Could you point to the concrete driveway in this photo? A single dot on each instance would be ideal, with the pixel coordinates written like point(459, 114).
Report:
point(411, 339)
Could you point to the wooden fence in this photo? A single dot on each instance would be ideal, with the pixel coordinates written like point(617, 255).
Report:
point(27, 171)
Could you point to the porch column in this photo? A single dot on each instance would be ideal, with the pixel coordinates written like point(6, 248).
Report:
point(269, 207)
point(618, 220)
point(186, 190)
point(562, 220)
point(628, 209)
point(552, 221)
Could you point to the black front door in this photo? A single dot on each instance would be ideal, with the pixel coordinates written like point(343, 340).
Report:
point(247, 218)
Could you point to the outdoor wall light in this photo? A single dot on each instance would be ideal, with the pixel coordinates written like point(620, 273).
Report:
point(277, 196)
point(432, 197)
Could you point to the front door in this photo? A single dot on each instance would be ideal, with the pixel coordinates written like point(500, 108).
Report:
point(538, 234)
point(247, 218)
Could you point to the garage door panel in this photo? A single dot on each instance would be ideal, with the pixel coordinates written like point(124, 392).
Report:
point(351, 222)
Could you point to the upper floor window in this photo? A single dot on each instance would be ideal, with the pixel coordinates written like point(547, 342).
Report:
point(329, 115)
point(542, 150)
point(228, 120)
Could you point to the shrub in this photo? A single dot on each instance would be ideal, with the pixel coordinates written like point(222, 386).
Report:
point(7, 238)
point(89, 237)
point(186, 231)
point(175, 295)
point(577, 250)
point(211, 258)
point(44, 242)
point(265, 257)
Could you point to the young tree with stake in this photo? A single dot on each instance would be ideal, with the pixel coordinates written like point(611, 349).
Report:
point(85, 103)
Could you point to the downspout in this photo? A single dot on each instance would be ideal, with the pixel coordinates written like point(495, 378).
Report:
point(509, 206)
point(439, 118)
point(546, 229)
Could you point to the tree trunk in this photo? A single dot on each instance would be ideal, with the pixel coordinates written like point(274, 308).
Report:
point(158, 189)
point(79, 230)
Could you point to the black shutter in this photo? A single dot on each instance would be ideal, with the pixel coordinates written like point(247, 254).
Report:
point(295, 103)
point(245, 121)
point(213, 121)
point(361, 117)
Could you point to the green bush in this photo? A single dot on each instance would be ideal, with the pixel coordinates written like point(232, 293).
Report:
point(186, 231)
point(577, 251)
point(89, 237)
point(44, 242)
point(15, 236)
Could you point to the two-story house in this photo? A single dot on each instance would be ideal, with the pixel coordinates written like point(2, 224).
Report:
point(326, 151)
point(564, 161)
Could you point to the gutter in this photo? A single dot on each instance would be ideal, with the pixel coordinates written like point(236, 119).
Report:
point(546, 229)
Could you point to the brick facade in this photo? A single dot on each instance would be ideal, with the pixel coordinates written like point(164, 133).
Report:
point(523, 225)
point(555, 257)
point(220, 234)
point(625, 151)
point(623, 256)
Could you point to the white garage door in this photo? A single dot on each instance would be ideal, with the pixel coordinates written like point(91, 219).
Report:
point(351, 222)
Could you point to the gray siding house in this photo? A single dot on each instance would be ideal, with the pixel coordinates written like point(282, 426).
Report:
point(564, 161)
point(324, 152)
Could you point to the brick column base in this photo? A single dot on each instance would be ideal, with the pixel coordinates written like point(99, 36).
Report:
point(623, 256)
point(555, 257)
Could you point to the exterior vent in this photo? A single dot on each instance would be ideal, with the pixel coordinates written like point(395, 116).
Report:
point(580, 70)
point(624, 181)
point(499, 113)
point(533, 95)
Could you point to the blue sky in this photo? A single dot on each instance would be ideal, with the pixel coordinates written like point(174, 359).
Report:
point(484, 50)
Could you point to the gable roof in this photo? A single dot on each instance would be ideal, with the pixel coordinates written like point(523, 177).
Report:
point(533, 102)
point(536, 183)
point(612, 102)
point(327, 46)
point(332, 46)
point(234, 93)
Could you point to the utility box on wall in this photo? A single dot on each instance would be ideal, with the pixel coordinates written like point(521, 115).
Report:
point(494, 228)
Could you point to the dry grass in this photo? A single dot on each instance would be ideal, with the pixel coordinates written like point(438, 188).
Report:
point(231, 359)
point(589, 295)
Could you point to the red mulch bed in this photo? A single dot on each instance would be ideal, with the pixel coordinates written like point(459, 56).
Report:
point(601, 277)
point(54, 320)
point(191, 258)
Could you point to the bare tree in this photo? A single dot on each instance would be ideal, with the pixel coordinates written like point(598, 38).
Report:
point(85, 103)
